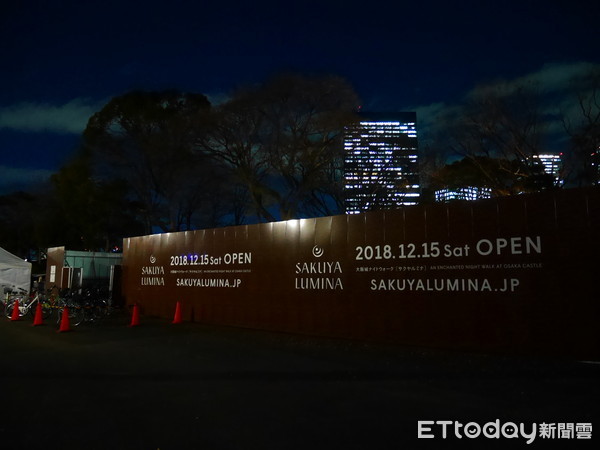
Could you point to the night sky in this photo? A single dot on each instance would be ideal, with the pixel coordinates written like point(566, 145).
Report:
point(63, 60)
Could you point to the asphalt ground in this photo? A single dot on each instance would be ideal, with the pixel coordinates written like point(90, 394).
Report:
point(193, 386)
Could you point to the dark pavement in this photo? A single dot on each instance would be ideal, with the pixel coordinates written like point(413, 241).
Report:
point(165, 386)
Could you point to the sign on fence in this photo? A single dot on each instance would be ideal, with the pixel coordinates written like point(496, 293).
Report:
point(513, 274)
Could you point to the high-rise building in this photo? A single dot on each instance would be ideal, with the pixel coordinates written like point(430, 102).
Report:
point(381, 162)
point(552, 164)
point(463, 193)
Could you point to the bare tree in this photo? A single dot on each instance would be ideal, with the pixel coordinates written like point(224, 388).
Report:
point(502, 124)
point(282, 140)
point(584, 128)
point(147, 140)
point(234, 140)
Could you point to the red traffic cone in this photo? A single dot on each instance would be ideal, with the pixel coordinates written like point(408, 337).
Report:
point(15, 311)
point(177, 318)
point(37, 320)
point(64, 321)
point(135, 316)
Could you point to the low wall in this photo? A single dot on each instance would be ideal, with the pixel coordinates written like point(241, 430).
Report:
point(96, 267)
point(514, 274)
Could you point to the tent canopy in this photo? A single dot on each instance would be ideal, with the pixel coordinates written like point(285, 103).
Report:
point(14, 271)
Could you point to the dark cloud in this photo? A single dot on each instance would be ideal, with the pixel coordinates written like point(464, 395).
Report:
point(67, 118)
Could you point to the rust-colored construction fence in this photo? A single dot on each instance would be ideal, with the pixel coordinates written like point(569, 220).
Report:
point(515, 275)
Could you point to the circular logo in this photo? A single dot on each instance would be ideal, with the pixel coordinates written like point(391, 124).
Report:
point(152, 259)
point(317, 251)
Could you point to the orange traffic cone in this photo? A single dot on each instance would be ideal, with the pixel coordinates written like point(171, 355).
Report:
point(37, 320)
point(135, 316)
point(64, 321)
point(15, 311)
point(177, 318)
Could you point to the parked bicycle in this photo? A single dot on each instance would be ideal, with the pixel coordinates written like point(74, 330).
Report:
point(89, 305)
point(71, 300)
point(12, 293)
point(27, 304)
point(96, 305)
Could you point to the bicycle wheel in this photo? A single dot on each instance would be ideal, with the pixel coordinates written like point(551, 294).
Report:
point(22, 308)
point(32, 310)
point(90, 314)
point(102, 308)
point(47, 309)
point(57, 304)
point(8, 309)
point(75, 315)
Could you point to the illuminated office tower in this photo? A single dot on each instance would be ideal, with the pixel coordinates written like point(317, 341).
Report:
point(381, 164)
point(552, 164)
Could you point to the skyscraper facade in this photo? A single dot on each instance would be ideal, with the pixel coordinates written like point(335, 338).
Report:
point(381, 168)
point(552, 164)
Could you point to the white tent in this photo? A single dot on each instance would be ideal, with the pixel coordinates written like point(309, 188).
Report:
point(14, 272)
